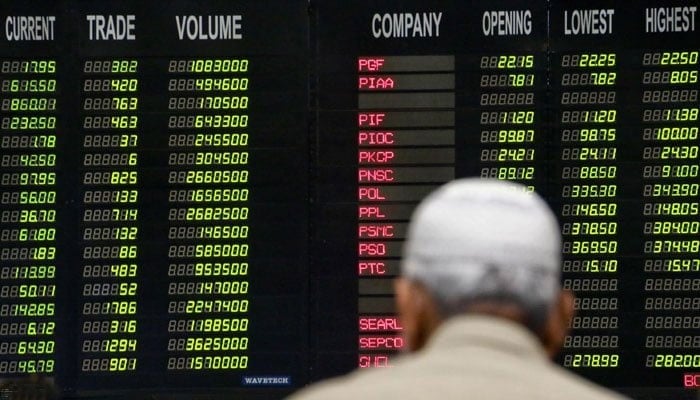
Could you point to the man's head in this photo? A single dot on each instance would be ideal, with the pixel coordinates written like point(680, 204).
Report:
point(483, 246)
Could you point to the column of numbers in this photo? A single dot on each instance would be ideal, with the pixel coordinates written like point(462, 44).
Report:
point(110, 229)
point(670, 193)
point(508, 118)
point(28, 226)
point(589, 188)
point(208, 216)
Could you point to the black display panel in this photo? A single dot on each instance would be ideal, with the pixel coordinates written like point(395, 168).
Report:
point(592, 104)
point(209, 198)
point(154, 195)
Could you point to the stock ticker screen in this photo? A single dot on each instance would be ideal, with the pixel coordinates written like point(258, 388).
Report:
point(203, 197)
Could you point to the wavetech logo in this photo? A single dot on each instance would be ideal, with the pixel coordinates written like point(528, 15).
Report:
point(266, 380)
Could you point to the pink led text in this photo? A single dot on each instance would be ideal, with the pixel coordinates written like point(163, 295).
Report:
point(372, 138)
point(370, 119)
point(370, 64)
point(371, 268)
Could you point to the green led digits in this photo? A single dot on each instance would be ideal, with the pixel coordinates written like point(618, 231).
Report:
point(508, 154)
point(216, 167)
point(28, 85)
point(237, 158)
point(683, 265)
point(124, 85)
point(599, 266)
point(224, 232)
point(110, 308)
point(675, 227)
point(208, 103)
point(671, 58)
point(216, 213)
point(684, 77)
point(214, 325)
point(671, 171)
point(37, 160)
point(36, 234)
point(217, 287)
point(209, 195)
point(110, 326)
point(29, 104)
point(28, 141)
point(35, 366)
point(675, 360)
point(672, 208)
point(111, 66)
point(221, 84)
point(109, 345)
point(592, 228)
point(670, 114)
point(591, 247)
point(42, 253)
point(31, 216)
point(29, 67)
point(110, 271)
point(592, 361)
point(29, 272)
point(119, 252)
point(110, 289)
point(218, 65)
point(672, 190)
point(221, 121)
point(674, 133)
point(108, 364)
point(212, 306)
point(29, 310)
point(675, 246)
point(221, 250)
point(221, 139)
point(217, 344)
point(110, 233)
point(508, 136)
point(39, 347)
point(508, 61)
point(509, 173)
point(221, 269)
point(208, 363)
point(217, 176)
point(507, 117)
point(41, 197)
point(590, 116)
point(110, 103)
point(209, 65)
point(209, 158)
point(588, 60)
point(35, 291)
point(588, 78)
point(27, 123)
point(587, 265)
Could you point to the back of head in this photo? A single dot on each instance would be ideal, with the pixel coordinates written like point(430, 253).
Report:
point(478, 241)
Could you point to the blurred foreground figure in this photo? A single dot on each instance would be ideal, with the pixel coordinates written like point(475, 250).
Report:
point(32, 387)
point(480, 303)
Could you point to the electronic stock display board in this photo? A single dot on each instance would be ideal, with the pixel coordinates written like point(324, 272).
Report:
point(593, 104)
point(211, 196)
point(154, 166)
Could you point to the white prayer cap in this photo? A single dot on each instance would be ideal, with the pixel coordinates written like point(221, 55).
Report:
point(485, 239)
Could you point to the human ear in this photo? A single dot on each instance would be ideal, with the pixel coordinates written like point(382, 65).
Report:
point(416, 311)
point(557, 325)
